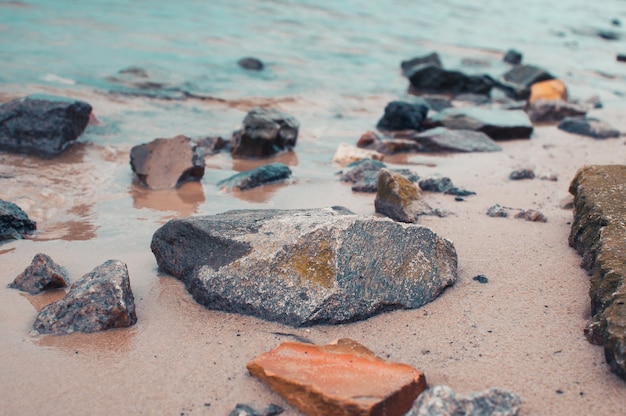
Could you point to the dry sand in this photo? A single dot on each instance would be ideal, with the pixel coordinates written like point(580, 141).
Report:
point(522, 331)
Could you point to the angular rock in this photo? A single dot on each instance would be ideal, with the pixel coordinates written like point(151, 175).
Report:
point(253, 178)
point(265, 132)
point(388, 146)
point(364, 175)
point(497, 210)
point(347, 154)
point(520, 174)
point(552, 89)
point(14, 223)
point(598, 233)
point(212, 144)
point(497, 124)
point(102, 299)
point(167, 163)
point(549, 111)
point(512, 57)
point(305, 267)
point(444, 185)
point(521, 77)
point(531, 215)
point(341, 378)
point(434, 79)
point(398, 198)
point(41, 125)
point(251, 64)
point(432, 59)
point(441, 139)
point(42, 274)
point(400, 115)
point(588, 126)
point(443, 401)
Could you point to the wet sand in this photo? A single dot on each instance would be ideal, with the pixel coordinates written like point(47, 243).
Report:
point(522, 331)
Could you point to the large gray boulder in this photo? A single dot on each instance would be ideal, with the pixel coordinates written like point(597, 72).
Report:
point(305, 267)
point(14, 222)
point(167, 163)
point(443, 401)
point(265, 132)
point(497, 124)
point(41, 125)
point(102, 299)
point(599, 234)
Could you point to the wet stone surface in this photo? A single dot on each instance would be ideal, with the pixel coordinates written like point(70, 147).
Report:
point(14, 223)
point(42, 274)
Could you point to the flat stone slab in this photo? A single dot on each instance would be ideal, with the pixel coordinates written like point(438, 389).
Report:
point(497, 124)
point(588, 126)
point(341, 378)
point(441, 139)
point(599, 234)
point(305, 267)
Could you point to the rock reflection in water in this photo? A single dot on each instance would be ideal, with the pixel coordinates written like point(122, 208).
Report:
point(184, 200)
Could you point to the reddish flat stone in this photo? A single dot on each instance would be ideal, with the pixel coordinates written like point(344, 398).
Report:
point(342, 378)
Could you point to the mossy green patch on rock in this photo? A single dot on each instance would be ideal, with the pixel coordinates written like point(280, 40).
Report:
point(599, 234)
point(315, 263)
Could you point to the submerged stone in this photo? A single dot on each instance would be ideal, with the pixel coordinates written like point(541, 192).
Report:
point(14, 223)
point(497, 124)
point(41, 125)
point(270, 173)
point(102, 299)
point(167, 163)
point(341, 378)
point(42, 274)
point(599, 234)
point(251, 64)
point(305, 267)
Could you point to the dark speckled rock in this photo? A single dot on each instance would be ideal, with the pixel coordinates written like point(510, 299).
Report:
point(599, 234)
point(42, 274)
point(305, 267)
point(102, 299)
point(270, 173)
point(14, 223)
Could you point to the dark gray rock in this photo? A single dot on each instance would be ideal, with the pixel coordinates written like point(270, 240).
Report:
point(531, 215)
point(265, 132)
point(42, 274)
point(497, 124)
point(14, 223)
point(388, 145)
point(139, 82)
point(244, 410)
point(481, 278)
point(167, 163)
point(443, 401)
point(41, 125)
point(253, 178)
point(212, 144)
point(437, 102)
point(102, 299)
point(431, 78)
point(520, 174)
point(251, 64)
point(588, 126)
point(466, 99)
point(443, 185)
point(512, 57)
point(400, 115)
point(398, 198)
point(441, 139)
point(363, 174)
point(598, 234)
point(432, 59)
point(518, 80)
point(497, 210)
point(550, 111)
point(305, 267)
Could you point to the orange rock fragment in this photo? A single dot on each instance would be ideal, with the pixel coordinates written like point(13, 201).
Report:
point(553, 89)
point(341, 378)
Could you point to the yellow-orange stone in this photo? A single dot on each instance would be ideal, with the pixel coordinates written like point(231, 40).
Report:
point(342, 378)
point(553, 89)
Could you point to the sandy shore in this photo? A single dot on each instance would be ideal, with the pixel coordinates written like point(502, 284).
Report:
point(522, 331)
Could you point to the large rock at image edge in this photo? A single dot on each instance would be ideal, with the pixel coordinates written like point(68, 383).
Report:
point(305, 267)
point(41, 125)
point(265, 132)
point(341, 378)
point(102, 299)
point(599, 234)
point(14, 222)
point(167, 163)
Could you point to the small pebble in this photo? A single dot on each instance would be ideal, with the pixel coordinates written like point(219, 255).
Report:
point(481, 278)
